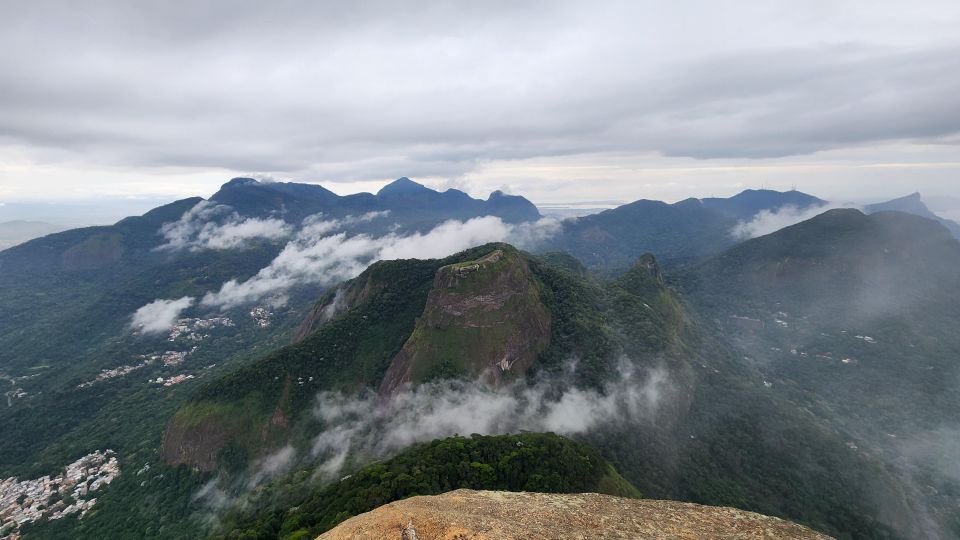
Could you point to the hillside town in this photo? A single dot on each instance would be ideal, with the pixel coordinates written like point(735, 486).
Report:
point(170, 381)
point(174, 358)
point(110, 374)
point(67, 493)
point(261, 316)
point(193, 329)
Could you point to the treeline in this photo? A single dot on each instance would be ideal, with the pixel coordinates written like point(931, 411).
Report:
point(540, 462)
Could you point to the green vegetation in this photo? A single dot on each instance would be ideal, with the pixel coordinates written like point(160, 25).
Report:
point(609, 242)
point(529, 462)
point(151, 503)
point(738, 419)
point(717, 434)
point(351, 351)
point(859, 316)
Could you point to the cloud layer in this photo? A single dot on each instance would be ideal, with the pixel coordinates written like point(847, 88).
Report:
point(362, 425)
point(217, 226)
point(770, 221)
point(314, 256)
point(374, 90)
point(159, 316)
point(362, 428)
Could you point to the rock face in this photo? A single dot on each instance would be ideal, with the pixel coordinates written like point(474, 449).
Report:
point(195, 445)
point(497, 515)
point(340, 299)
point(482, 318)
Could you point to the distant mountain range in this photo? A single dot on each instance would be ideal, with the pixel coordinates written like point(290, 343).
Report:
point(676, 232)
point(409, 203)
point(797, 374)
point(684, 231)
point(912, 204)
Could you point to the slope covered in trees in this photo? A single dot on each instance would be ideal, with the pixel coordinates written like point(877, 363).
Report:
point(857, 317)
point(545, 463)
point(706, 427)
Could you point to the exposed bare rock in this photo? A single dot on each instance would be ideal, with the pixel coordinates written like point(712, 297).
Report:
point(196, 445)
point(344, 297)
point(498, 515)
point(482, 318)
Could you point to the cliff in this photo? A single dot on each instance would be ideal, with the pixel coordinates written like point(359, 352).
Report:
point(483, 317)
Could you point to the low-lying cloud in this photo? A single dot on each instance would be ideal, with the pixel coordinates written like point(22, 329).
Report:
point(159, 316)
point(770, 221)
point(314, 256)
point(216, 226)
point(361, 425)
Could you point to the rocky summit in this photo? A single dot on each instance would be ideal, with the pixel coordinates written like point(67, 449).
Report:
point(487, 515)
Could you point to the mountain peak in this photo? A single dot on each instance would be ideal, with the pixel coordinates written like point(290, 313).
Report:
point(648, 263)
point(240, 181)
point(749, 202)
point(644, 279)
point(513, 208)
point(911, 204)
point(493, 295)
point(403, 186)
point(914, 198)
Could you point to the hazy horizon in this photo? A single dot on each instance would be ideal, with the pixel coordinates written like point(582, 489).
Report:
point(108, 210)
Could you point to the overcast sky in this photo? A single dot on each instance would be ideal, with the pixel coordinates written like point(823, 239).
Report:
point(558, 101)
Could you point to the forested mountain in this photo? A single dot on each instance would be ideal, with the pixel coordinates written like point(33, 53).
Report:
point(913, 204)
point(410, 204)
point(681, 416)
point(680, 233)
point(78, 376)
point(854, 318)
point(750, 381)
point(747, 204)
point(536, 462)
point(611, 240)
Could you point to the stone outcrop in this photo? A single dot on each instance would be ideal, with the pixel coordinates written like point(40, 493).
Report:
point(496, 515)
point(482, 318)
point(340, 299)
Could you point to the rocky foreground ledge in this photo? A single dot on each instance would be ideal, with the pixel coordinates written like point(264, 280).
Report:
point(497, 515)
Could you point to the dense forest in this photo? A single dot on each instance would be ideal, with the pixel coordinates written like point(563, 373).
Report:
point(295, 508)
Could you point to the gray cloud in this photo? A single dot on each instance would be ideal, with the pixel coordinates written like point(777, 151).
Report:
point(373, 90)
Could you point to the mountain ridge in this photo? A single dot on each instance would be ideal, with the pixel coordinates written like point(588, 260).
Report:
point(668, 450)
point(852, 321)
point(70, 301)
point(403, 197)
point(913, 204)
